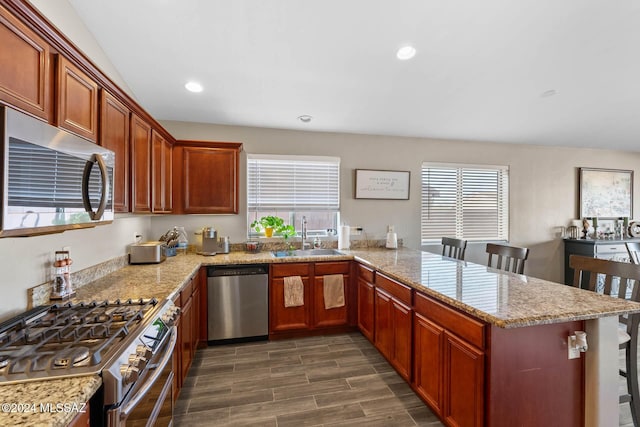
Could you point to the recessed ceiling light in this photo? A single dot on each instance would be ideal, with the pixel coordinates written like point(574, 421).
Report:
point(548, 93)
point(193, 87)
point(406, 52)
point(305, 118)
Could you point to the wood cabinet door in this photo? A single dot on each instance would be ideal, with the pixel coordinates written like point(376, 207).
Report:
point(383, 324)
point(195, 318)
point(463, 383)
point(366, 301)
point(287, 318)
point(402, 327)
point(140, 165)
point(77, 95)
point(210, 180)
point(327, 317)
point(428, 351)
point(114, 135)
point(25, 74)
point(177, 361)
point(161, 172)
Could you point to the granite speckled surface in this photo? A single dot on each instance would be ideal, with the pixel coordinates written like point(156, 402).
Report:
point(502, 299)
point(46, 403)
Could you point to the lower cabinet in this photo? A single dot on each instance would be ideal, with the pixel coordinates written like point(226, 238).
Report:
point(366, 300)
point(312, 314)
point(393, 323)
point(449, 362)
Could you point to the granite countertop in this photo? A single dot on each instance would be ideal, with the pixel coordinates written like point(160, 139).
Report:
point(502, 299)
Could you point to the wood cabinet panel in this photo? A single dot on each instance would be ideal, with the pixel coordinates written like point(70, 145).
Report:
point(429, 362)
point(206, 178)
point(366, 313)
point(328, 317)
point(383, 324)
point(114, 135)
point(186, 338)
point(467, 328)
point(283, 318)
point(77, 96)
point(140, 165)
point(338, 267)
point(398, 290)
point(463, 383)
point(25, 75)
point(402, 338)
point(161, 174)
point(293, 269)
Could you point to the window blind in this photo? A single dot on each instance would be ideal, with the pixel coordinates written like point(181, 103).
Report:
point(292, 183)
point(464, 201)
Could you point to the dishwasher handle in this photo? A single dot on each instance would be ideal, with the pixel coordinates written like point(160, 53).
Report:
point(237, 270)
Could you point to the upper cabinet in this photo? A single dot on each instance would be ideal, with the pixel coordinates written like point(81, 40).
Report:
point(161, 174)
point(206, 177)
point(114, 135)
point(25, 75)
point(77, 108)
point(140, 165)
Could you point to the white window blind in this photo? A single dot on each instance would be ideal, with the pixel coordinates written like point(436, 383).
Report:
point(292, 183)
point(464, 201)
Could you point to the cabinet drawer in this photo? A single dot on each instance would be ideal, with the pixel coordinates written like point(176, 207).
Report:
point(398, 290)
point(464, 326)
point(323, 268)
point(294, 269)
point(365, 273)
point(187, 290)
point(610, 249)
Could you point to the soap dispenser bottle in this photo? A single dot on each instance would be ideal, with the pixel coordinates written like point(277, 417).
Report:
point(392, 238)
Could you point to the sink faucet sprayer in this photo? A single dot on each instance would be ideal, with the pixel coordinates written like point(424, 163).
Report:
point(304, 243)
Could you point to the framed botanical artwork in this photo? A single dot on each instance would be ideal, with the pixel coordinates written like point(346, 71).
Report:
point(380, 184)
point(605, 193)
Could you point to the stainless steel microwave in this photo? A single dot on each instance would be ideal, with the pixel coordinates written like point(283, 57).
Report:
point(52, 180)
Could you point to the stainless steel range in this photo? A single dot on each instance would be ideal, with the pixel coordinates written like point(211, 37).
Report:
point(130, 343)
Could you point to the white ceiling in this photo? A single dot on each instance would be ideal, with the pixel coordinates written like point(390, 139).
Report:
point(483, 69)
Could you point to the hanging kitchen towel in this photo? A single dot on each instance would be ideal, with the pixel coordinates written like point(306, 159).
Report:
point(333, 291)
point(293, 291)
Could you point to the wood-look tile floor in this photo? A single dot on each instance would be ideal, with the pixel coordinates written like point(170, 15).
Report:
point(336, 380)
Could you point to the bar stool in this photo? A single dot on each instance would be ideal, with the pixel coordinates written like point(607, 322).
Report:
point(513, 257)
point(629, 276)
point(454, 248)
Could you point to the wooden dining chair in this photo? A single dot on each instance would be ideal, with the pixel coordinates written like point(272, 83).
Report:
point(620, 281)
point(633, 248)
point(508, 258)
point(453, 248)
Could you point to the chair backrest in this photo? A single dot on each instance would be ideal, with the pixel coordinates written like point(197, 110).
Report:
point(453, 248)
point(508, 258)
point(620, 280)
point(633, 248)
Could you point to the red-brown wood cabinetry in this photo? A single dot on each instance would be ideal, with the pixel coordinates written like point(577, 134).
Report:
point(329, 317)
point(428, 361)
point(161, 174)
point(26, 73)
point(283, 318)
point(77, 96)
point(366, 300)
point(140, 165)
point(114, 135)
point(206, 177)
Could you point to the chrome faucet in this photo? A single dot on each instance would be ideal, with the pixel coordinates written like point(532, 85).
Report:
point(304, 244)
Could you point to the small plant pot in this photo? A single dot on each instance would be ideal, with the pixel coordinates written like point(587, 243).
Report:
point(268, 231)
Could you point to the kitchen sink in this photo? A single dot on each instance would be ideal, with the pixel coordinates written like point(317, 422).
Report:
point(305, 252)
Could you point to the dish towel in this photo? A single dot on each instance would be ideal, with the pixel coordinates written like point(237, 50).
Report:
point(333, 291)
point(293, 291)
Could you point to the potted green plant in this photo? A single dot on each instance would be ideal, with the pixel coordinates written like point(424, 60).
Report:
point(269, 224)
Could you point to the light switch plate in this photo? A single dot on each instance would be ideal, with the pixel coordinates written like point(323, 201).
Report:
point(574, 352)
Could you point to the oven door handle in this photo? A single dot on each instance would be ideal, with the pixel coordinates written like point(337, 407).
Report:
point(154, 377)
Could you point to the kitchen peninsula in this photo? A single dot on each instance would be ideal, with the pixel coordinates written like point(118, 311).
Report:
point(505, 334)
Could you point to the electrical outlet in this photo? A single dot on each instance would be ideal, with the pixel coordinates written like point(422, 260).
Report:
point(574, 351)
point(355, 231)
point(391, 228)
point(137, 237)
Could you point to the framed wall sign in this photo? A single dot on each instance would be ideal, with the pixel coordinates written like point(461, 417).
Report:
point(377, 184)
point(605, 193)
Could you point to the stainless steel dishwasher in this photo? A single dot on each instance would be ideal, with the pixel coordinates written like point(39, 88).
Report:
point(238, 303)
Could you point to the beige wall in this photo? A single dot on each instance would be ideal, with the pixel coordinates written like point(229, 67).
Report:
point(543, 183)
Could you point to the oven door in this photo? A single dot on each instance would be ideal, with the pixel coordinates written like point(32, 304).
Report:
point(150, 402)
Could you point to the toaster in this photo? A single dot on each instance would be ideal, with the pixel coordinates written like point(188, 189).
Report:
point(147, 253)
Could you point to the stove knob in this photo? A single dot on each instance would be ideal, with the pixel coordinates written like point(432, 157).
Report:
point(143, 351)
point(137, 361)
point(129, 374)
